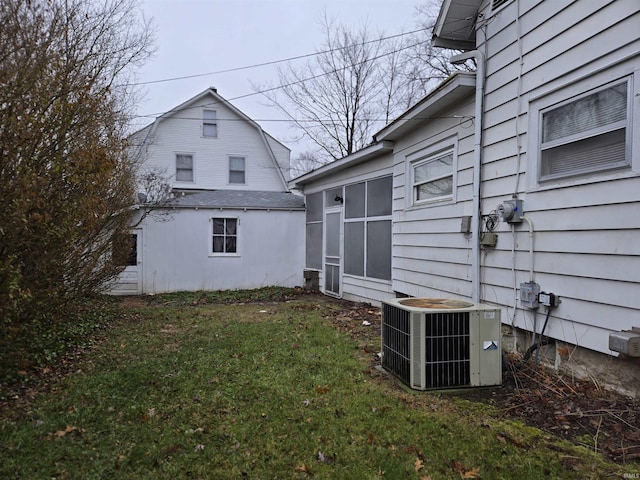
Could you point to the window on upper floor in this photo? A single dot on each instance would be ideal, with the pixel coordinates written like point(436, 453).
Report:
point(586, 134)
point(184, 167)
point(224, 236)
point(237, 170)
point(433, 177)
point(209, 124)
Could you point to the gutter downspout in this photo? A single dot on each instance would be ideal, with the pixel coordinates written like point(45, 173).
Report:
point(477, 167)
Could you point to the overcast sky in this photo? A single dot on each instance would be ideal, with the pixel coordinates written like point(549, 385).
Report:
point(202, 36)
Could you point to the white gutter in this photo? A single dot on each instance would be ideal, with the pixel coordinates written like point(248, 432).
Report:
point(477, 168)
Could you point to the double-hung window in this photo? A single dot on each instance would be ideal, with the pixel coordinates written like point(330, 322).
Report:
point(184, 168)
point(224, 235)
point(209, 124)
point(586, 134)
point(432, 177)
point(237, 170)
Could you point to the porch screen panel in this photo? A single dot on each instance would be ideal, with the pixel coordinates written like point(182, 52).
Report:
point(314, 231)
point(354, 200)
point(314, 246)
point(354, 248)
point(379, 249)
point(379, 196)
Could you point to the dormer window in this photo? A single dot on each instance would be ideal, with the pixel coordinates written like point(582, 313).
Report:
point(209, 124)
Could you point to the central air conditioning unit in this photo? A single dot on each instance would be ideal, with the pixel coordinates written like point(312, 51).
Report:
point(435, 343)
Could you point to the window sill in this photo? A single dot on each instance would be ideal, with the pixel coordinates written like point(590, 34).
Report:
point(568, 182)
point(431, 203)
point(224, 255)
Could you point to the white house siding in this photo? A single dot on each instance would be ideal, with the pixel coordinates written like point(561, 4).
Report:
point(586, 229)
point(356, 288)
point(181, 133)
point(282, 155)
point(431, 257)
point(177, 251)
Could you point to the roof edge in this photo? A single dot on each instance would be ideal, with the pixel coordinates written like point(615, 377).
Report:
point(366, 153)
point(447, 93)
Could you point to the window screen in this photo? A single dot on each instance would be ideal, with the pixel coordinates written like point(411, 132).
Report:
point(333, 197)
point(367, 236)
point(314, 245)
point(379, 195)
point(314, 231)
point(314, 207)
point(379, 249)
point(354, 248)
point(354, 200)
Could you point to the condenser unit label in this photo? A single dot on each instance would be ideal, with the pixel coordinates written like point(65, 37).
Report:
point(490, 345)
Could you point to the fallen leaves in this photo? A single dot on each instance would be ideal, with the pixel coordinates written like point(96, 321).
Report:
point(63, 433)
point(464, 473)
point(304, 469)
point(322, 390)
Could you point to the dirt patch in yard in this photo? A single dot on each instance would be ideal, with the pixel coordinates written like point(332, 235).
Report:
point(579, 411)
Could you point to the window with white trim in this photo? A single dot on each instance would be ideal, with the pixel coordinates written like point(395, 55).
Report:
point(367, 228)
point(224, 238)
point(237, 170)
point(586, 134)
point(184, 167)
point(209, 124)
point(433, 177)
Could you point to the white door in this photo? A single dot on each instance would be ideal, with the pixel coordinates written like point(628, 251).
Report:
point(333, 252)
point(130, 280)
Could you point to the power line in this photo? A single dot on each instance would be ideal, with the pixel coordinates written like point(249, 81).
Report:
point(273, 62)
point(313, 77)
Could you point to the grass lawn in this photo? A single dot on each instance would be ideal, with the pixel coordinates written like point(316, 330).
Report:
point(188, 389)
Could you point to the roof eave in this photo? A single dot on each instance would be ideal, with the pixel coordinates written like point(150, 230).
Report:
point(455, 26)
point(446, 94)
point(367, 153)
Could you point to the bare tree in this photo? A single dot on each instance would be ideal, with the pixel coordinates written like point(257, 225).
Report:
point(67, 186)
point(358, 82)
point(305, 162)
point(429, 65)
point(341, 96)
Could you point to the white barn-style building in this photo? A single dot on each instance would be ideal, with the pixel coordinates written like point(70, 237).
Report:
point(232, 222)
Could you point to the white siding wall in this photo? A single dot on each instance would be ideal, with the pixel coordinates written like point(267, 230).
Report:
point(586, 230)
point(182, 133)
point(431, 257)
point(177, 252)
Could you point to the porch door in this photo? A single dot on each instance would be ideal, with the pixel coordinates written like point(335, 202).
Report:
point(333, 252)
